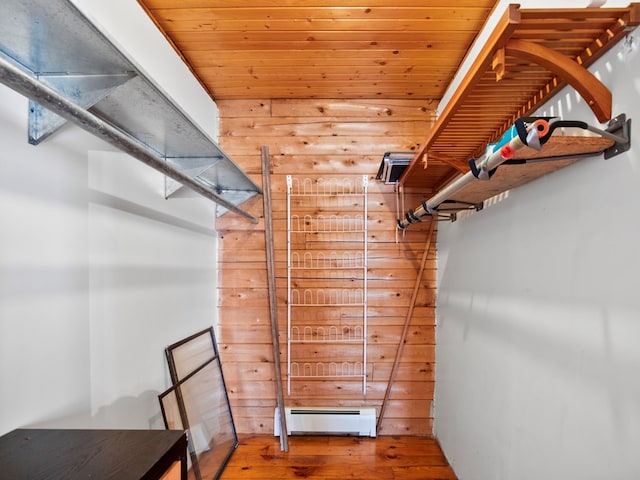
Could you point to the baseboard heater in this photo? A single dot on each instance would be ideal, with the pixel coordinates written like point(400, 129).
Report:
point(360, 421)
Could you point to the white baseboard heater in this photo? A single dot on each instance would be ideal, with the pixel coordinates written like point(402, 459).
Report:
point(359, 421)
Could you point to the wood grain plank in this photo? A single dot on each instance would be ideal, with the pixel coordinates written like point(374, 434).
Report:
point(311, 13)
point(322, 28)
point(318, 145)
point(387, 457)
point(329, 126)
point(368, 108)
point(320, 58)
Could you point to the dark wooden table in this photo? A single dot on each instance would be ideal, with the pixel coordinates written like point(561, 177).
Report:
point(39, 454)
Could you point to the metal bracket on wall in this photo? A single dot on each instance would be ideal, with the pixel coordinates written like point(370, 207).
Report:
point(620, 126)
point(70, 71)
point(85, 91)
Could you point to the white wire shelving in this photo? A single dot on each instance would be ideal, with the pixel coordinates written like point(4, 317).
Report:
point(327, 279)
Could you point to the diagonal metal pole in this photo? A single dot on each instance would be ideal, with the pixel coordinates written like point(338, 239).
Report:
point(407, 321)
point(273, 305)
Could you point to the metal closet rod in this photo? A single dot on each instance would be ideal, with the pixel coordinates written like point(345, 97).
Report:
point(30, 87)
point(527, 136)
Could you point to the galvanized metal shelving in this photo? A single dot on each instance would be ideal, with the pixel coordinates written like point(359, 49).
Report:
point(70, 71)
point(327, 280)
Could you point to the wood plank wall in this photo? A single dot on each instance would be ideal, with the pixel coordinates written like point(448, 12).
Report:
point(321, 139)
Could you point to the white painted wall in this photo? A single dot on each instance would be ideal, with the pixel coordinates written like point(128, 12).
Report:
point(539, 316)
point(98, 274)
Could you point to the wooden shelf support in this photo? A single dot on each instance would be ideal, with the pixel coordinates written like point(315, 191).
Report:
point(596, 94)
point(459, 165)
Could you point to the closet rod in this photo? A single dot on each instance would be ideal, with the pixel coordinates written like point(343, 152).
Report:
point(32, 88)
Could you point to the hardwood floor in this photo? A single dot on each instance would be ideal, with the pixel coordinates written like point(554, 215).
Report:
point(381, 458)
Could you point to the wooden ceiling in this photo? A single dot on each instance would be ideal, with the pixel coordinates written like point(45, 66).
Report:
point(318, 49)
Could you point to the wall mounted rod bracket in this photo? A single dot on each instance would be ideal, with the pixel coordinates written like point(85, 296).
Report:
point(620, 127)
point(32, 88)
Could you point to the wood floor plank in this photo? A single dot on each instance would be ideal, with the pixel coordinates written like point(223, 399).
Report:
point(382, 458)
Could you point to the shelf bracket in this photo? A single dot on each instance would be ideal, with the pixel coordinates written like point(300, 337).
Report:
point(83, 90)
point(620, 127)
point(190, 166)
point(595, 93)
point(460, 166)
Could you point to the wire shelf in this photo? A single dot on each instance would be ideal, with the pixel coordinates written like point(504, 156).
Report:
point(327, 369)
point(326, 235)
point(333, 333)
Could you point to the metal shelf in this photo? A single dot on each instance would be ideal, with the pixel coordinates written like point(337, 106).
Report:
point(52, 54)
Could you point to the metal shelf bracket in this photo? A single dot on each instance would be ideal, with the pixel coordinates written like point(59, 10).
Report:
point(620, 126)
point(84, 90)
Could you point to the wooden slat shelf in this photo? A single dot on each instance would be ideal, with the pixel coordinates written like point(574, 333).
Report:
point(529, 56)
